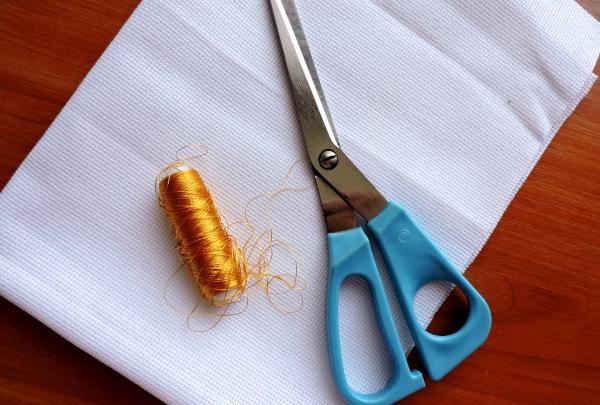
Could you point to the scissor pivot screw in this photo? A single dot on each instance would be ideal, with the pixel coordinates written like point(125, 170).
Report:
point(328, 159)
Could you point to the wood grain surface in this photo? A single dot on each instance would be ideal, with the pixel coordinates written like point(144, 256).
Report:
point(540, 271)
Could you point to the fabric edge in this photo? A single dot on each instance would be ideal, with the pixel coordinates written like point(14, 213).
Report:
point(581, 94)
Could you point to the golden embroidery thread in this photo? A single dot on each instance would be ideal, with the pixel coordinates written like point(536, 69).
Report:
point(216, 262)
point(223, 270)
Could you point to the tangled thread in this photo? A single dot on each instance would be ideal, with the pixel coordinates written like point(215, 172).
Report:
point(224, 271)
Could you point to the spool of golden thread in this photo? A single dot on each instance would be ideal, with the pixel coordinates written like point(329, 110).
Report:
point(217, 264)
point(221, 270)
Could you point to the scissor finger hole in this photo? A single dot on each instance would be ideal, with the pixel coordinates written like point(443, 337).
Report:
point(366, 360)
point(451, 316)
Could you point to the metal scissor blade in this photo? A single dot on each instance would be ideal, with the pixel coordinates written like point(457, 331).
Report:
point(339, 216)
point(312, 109)
point(341, 185)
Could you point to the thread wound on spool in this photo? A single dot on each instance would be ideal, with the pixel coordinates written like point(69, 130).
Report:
point(224, 271)
point(216, 262)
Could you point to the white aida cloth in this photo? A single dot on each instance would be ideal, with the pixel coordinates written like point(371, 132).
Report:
point(445, 105)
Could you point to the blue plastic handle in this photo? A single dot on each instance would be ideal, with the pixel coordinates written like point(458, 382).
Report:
point(350, 255)
point(413, 261)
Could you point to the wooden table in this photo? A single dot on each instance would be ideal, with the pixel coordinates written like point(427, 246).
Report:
point(540, 271)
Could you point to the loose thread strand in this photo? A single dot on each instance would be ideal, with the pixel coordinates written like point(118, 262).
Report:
point(224, 271)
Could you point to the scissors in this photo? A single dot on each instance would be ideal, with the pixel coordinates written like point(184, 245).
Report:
point(411, 258)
